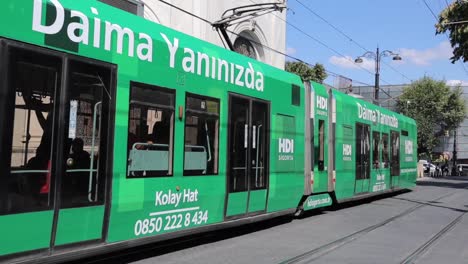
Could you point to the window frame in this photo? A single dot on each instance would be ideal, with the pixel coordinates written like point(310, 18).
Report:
point(386, 161)
point(167, 90)
point(376, 146)
point(206, 114)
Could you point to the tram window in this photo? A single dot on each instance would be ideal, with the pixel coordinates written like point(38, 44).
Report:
point(376, 150)
point(201, 136)
point(295, 95)
point(150, 131)
point(321, 147)
point(404, 133)
point(362, 151)
point(87, 107)
point(385, 151)
point(27, 132)
point(395, 158)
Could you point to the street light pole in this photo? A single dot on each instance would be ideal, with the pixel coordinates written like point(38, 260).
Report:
point(377, 56)
point(377, 77)
point(454, 158)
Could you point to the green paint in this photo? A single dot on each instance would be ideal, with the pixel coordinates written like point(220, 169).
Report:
point(79, 224)
point(22, 232)
point(321, 100)
point(237, 203)
point(346, 118)
point(136, 210)
point(257, 200)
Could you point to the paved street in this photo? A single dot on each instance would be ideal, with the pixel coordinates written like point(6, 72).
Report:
point(427, 225)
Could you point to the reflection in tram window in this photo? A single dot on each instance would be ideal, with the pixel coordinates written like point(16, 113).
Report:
point(321, 148)
point(376, 149)
point(89, 94)
point(395, 162)
point(385, 151)
point(150, 131)
point(362, 151)
point(28, 127)
point(201, 136)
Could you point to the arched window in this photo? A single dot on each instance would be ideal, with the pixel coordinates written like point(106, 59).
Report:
point(245, 47)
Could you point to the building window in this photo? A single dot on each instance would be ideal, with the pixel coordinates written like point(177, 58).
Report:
point(150, 131)
point(201, 135)
point(244, 47)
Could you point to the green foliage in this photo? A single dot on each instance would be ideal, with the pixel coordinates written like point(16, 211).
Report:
point(436, 108)
point(316, 74)
point(455, 12)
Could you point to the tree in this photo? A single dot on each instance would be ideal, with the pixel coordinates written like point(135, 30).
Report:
point(454, 19)
point(307, 74)
point(436, 108)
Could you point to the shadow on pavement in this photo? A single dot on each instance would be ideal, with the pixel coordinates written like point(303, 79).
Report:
point(168, 246)
point(451, 182)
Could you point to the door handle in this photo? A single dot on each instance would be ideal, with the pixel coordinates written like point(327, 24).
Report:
point(254, 143)
point(246, 135)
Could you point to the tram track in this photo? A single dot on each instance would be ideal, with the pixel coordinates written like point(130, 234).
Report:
point(323, 250)
point(419, 252)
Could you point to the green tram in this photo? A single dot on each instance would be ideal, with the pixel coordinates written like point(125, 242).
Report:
point(117, 131)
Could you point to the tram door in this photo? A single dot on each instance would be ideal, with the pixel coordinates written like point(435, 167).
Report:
point(247, 156)
point(86, 128)
point(54, 143)
point(395, 158)
point(363, 161)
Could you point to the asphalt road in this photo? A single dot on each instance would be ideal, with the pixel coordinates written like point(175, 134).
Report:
point(426, 225)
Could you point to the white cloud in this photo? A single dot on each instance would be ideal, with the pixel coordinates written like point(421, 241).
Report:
point(443, 51)
point(290, 51)
point(457, 83)
point(348, 62)
point(424, 57)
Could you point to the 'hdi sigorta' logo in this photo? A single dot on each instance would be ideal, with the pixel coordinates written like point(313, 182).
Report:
point(285, 149)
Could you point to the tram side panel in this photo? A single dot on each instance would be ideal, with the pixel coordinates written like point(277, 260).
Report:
point(287, 148)
point(408, 150)
point(345, 149)
point(375, 148)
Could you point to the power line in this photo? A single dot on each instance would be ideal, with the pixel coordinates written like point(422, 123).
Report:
point(324, 44)
point(348, 37)
point(331, 25)
point(186, 12)
point(256, 42)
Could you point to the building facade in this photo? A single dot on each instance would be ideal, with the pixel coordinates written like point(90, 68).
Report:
point(260, 38)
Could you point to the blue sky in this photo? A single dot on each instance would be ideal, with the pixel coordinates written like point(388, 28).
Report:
point(402, 26)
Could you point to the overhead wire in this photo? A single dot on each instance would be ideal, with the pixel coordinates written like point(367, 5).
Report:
point(348, 37)
point(255, 42)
